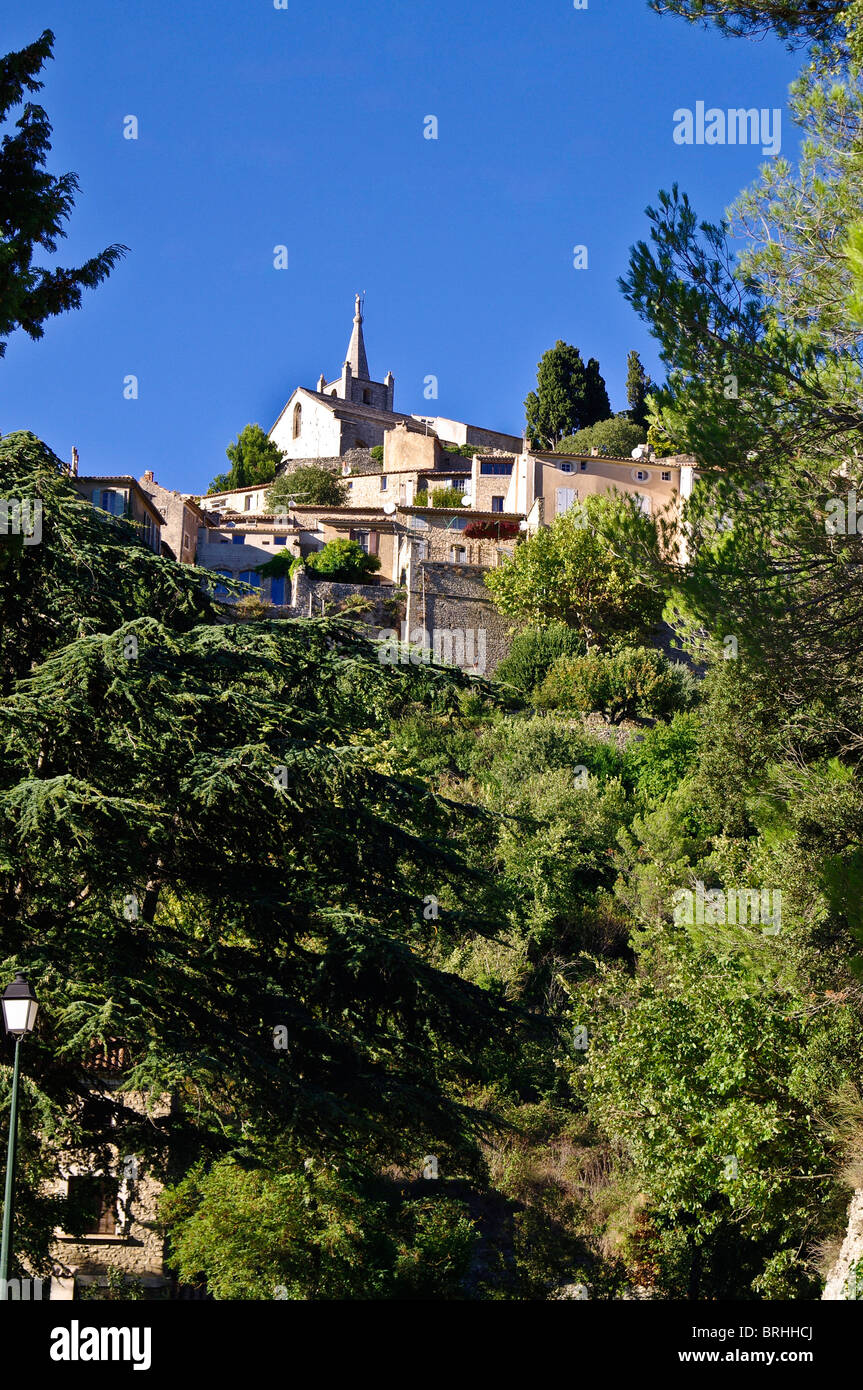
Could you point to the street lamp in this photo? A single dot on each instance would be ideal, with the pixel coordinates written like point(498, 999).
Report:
point(19, 1014)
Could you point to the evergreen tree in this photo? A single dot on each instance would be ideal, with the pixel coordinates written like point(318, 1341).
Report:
point(34, 206)
point(597, 406)
point(203, 854)
point(569, 396)
point(253, 457)
point(638, 385)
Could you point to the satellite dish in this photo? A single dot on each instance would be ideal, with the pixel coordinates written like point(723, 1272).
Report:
point(390, 508)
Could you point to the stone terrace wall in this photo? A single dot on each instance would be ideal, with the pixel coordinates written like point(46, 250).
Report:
point(456, 599)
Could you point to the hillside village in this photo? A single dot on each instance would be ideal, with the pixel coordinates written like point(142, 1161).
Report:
point(432, 557)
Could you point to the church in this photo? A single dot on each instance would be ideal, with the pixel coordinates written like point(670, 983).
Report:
point(353, 411)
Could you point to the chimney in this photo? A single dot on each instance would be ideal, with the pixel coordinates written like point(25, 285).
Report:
point(148, 476)
point(73, 466)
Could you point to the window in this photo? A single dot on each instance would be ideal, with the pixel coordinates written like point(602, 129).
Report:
point(367, 396)
point(457, 554)
point(666, 475)
point(465, 487)
point(280, 540)
point(583, 467)
point(383, 483)
point(497, 504)
point(298, 419)
point(458, 523)
point(112, 501)
point(247, 504)
point(491, 469)
point(186, 541)
point(641, 475)
point(96, 1199)
point(277, 589)
point(332, 393)
point(566, 468)
point(420, 523)
point(362, 540)
point(221, 589)
point(251, 577)
point(566, 497)
point(238, 540)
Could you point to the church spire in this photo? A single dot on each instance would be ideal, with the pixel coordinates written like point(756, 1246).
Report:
point(356, 357)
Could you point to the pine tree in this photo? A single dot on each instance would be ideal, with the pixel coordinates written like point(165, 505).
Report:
point(35, 205)
point(200, 855)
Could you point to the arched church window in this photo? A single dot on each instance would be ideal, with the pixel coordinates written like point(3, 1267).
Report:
point(332, 393)
point(298, 419)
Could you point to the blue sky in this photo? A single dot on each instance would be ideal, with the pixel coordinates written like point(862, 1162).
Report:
point(303, 127)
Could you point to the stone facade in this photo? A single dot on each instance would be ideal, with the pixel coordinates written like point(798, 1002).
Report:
point(181, 518)
point(453, 599)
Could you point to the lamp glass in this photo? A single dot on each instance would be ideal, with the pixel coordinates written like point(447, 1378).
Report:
point(19, 1015)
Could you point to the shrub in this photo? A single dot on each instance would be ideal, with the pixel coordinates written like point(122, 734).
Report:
point(534, 651)
point(377, 453)
point(311, 485)
point(664, 756)
point(344, 561)
point(447, 497)
point(635, 682)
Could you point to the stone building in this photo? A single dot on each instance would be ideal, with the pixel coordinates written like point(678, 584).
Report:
point(181, 519)
point(354, 411)
point(117, 1189)
point(122, 496)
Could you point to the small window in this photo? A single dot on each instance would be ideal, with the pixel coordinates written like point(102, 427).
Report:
point(332, 393)
point(97, 1199)
point(641, 476)
point(186, 541)
point(238, 540)
point(383, 483)
point(113, 502)
point(457, 554)
point(666, 475)
point(458, 523)
point(298, 419)
point(566, 468)
point(280, 540)
point(247, 504)
point(497, 504)
point(584, 467)
point(367, 397)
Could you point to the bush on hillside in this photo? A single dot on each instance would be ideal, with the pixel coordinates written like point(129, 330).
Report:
point(633, 683)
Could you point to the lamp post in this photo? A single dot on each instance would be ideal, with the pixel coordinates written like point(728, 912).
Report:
point(19, 1014)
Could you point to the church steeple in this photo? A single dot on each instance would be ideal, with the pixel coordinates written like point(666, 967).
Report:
point(356, 358)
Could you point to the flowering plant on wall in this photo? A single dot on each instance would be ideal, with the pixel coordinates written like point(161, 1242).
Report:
point(491, 530)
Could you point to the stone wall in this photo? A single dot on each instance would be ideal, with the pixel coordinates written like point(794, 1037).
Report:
point(309, 596)
point(454, 598)
point(843, 1282)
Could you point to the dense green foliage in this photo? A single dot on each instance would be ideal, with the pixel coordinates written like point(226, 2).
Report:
point(467, 989)
point(254, 459)
point(575, 572)
point(615, 438)
point(342, 560)
point(308, 486)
